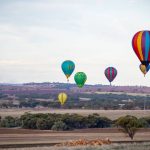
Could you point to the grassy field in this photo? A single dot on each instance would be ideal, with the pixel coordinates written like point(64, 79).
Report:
point(112, 114)
point(134, 146)
point(40, 137)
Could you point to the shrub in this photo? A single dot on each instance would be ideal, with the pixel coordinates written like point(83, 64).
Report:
point(74, 121)
point(144, 122)
point(59, 126)
point(95, 121)
point(147, 119)
point(8, 122)
point(41, 124)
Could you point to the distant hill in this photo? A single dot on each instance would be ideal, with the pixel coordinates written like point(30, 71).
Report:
point(56, 86)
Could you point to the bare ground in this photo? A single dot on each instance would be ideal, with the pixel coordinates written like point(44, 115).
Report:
point(23, 136)
point(133, 146)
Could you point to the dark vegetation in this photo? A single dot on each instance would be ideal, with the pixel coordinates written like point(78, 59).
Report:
point(73, 121)
point(45, 95)
point(130, 124)
point(56, 121)
point(76, 100)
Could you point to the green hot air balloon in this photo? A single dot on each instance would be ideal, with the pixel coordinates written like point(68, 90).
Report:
point(80, 78)
point(68, 67)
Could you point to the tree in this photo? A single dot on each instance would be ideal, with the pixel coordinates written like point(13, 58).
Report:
point(8, 122)
point(41, 124)
point(96, 121)
point(74, 121)
point(0, 120)
point(59, 126)
point(28, 121)
point(129, 125)
point(147, 119)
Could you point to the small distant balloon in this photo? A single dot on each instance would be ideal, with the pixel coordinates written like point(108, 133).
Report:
point(80, 79)
point(141, 46)
point(62, 98)
point(110, 73)
point(144, 69)
point(68, 67)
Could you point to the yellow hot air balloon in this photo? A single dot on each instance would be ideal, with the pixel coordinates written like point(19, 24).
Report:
point(143, 69)
point(62, 97)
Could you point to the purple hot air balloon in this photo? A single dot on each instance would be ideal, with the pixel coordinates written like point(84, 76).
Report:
point(110, 73)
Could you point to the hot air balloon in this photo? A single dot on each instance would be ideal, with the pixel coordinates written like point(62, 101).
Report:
point(68, 67)
point(80, 79)
point(62, 97)
point(141, 46)
point(110, 73)
point(144, 69)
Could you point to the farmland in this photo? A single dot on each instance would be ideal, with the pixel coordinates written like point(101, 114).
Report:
point(103, 100)
point(111, 114)
point(135, 146)
point(37, 137)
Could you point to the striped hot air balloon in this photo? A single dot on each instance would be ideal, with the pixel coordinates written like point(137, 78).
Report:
point(110, 73)
point(141, 46)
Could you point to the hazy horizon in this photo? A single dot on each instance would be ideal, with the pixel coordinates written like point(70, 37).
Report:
point(37, 36)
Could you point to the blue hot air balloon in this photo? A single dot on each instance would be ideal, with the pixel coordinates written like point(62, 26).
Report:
point(68, 67)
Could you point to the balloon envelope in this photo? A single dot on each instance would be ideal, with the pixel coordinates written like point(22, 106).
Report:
point(110, 73)
point(147, 68)
point(144, 69)
point(80, 79)
point(68, 67)
point(141, 46)
point(62, 97)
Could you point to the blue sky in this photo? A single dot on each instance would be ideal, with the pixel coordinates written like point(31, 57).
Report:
point(36, 36)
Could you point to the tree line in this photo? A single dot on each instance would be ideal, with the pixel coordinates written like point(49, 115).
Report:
point(97, 101)
point(63, 122)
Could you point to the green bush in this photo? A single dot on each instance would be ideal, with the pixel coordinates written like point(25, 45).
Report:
point(95, 121)
point(59, 126)
point(144, 122)
point(28, 121)
point(147, 119)
point(39, 121)
point(8, 122)
point(74, 121)
point(41, 124)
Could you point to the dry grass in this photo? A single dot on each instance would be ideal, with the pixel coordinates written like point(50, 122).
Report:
point(112, 114)
point(135, 146)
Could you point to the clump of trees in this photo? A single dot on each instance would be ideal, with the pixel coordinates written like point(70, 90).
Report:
point(9, 122)
point(59, 126)
point(56, 121)
point(131, 124)
point(59, 122)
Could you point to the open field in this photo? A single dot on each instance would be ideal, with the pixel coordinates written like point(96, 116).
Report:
point(112, 114)
point(23, 137)
point(126, 93)
point(38, 137)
